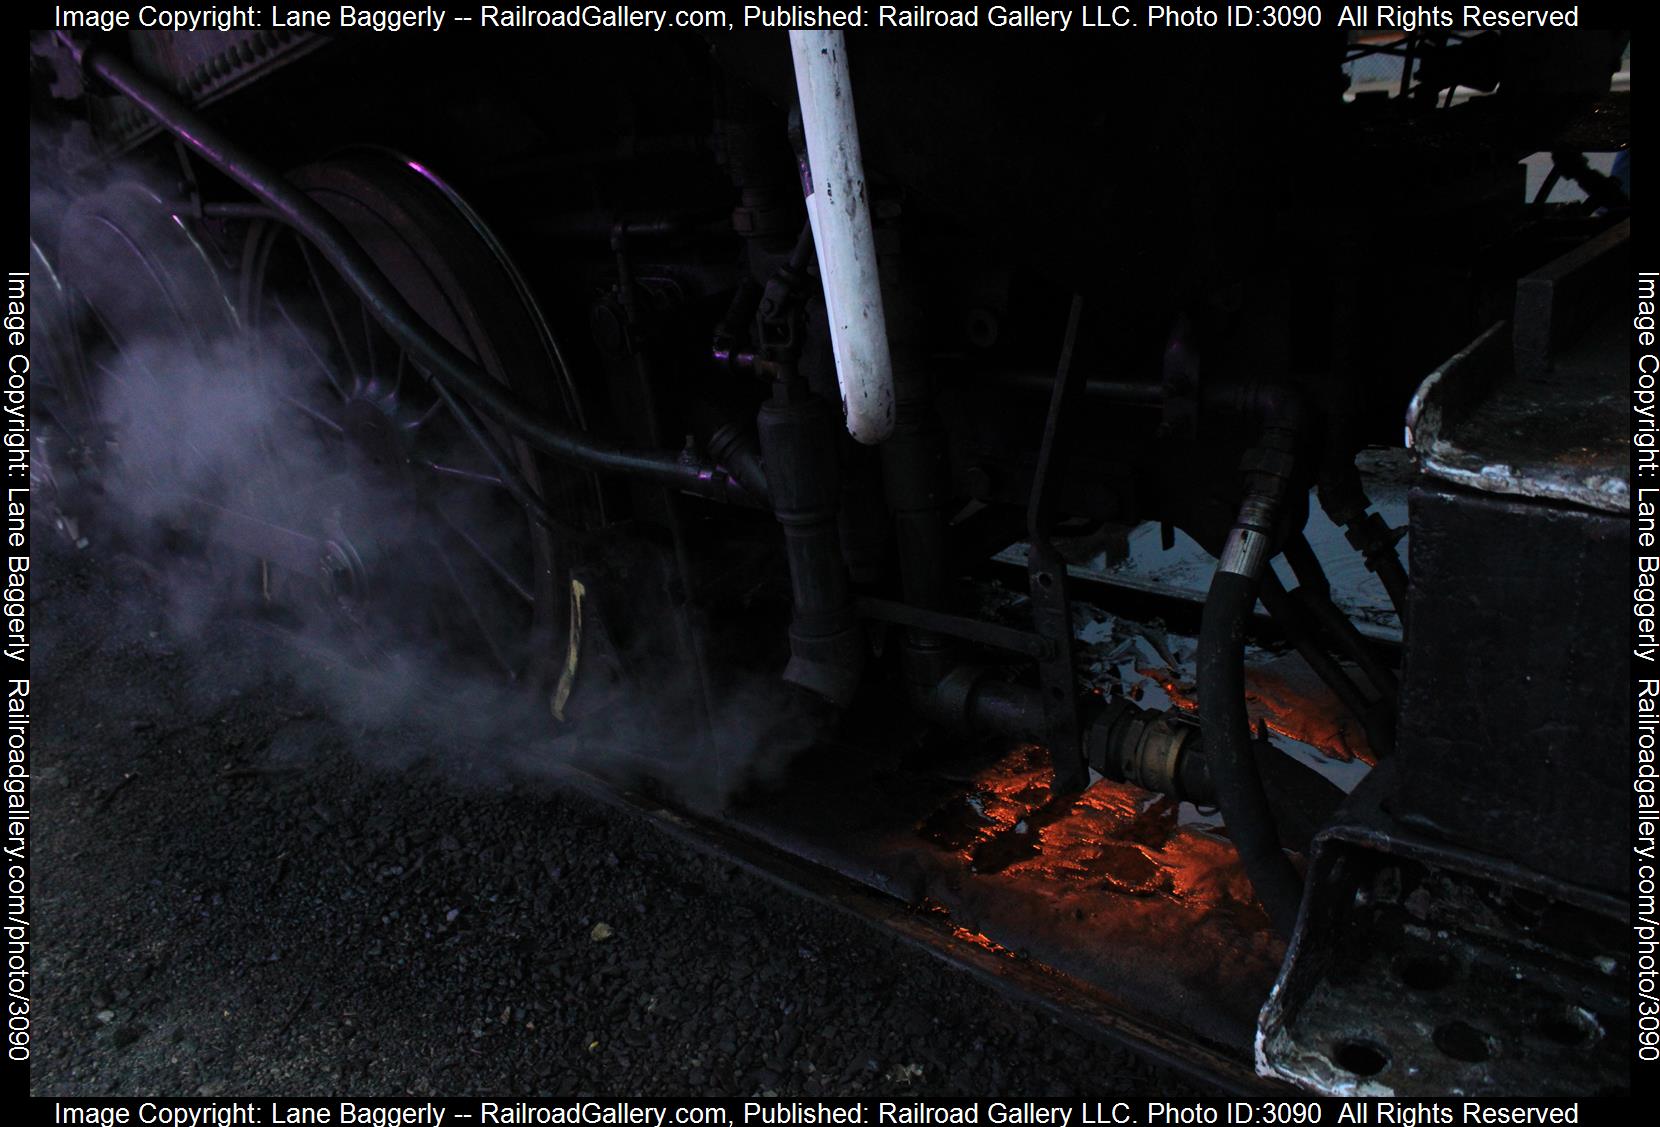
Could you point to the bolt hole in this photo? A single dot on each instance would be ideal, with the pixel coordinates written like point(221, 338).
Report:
point(1045, 580)
point(1426, 972)
point(1462, 1041)
point(1363, 1058)
point(1568, 1025)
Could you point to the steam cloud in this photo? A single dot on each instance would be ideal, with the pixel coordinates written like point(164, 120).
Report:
point(201, 433)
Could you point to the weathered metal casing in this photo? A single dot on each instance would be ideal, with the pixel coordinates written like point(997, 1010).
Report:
point(798, 441)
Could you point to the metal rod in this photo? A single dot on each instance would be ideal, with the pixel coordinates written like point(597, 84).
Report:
point(511, 478)
point(599, 226)
point(1046, 579)
point(1129, 393)
point(956, 626)
point(1303, 633)
point(1314, 592)
point(237, 210)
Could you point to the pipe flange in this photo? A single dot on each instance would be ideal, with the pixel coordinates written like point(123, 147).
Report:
point(1156, 760)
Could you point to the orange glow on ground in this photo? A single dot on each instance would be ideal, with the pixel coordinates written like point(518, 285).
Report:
point(1285, 694)
point(979, 940)
point(1112, 838)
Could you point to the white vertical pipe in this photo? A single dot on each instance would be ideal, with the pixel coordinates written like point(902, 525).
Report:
point(842, 236)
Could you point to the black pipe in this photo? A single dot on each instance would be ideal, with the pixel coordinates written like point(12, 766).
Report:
point(1002, 706)
point(734, 446)
point(1157, 751)
point(971, 630)
point(798, 440)
point(388, 307)
point(1127, 393)
point(1228, 745)
point(599, 226)
point(1272, 405)
point(1221, 662)
point(975, 701)
point(916, 476)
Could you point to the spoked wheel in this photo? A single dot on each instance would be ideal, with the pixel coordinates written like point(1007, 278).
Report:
point(64, 435)
point(423, 542)
point(134, 314)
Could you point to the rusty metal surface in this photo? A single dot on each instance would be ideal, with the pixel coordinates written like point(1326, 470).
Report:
point(1423, 969)
point(1537, 408)
point(1525, 758)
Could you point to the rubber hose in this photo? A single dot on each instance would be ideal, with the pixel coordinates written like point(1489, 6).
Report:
point(1227, 735)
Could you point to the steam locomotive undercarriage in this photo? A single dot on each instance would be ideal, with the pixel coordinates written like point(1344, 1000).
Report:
point(1082, 641)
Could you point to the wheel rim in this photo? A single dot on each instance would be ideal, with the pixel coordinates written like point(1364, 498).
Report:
point(64, 436)
point(462, 564)
point(136, 280)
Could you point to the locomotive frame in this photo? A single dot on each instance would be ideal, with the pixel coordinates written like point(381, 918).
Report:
point(1032, 345)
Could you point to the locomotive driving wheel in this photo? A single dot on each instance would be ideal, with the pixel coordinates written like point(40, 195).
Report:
point(63, 436)
point(424, 538)
point(137, 295)
point(282, 433)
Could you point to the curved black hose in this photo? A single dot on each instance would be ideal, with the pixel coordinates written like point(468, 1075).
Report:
point(1227, 734)
point(1269, 469)
point(388, 307)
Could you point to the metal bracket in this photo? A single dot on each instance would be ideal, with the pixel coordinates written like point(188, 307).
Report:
point(1046, 572)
